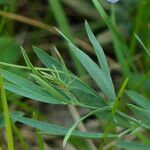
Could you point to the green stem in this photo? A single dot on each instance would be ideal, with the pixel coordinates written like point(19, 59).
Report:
point(9, 135)
point(20, 137)
point(115, 105)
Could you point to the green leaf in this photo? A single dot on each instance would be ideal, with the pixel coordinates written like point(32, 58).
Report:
point(80, 89)
point(29, 64)
point(128, 145)
point(141, 114)
point(100, 53)
point(16, 113)
point(142, 44)
point(28, 89)
point(7, 119)
point(47, 60)
point(98, 49)
point(114, 108)
point(139, 99)
point(50, 89)
point(43, 81)
point(53, 129)
point(119, 120)
point(32, 95)
point(88, 99)
point(102, 80)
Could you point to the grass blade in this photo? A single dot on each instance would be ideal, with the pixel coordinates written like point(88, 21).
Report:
point(38, 134)
point(9, 135)
point(132, 145)
point(20, 137)
point(53, 129)
point(142, 44)
point(115, 106)
point(139, 99)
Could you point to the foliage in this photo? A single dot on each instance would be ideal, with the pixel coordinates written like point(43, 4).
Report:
point(122, 112)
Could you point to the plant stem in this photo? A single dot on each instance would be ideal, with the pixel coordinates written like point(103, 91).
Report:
point(20, 137)
point(9, 136)
point(113, 111)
